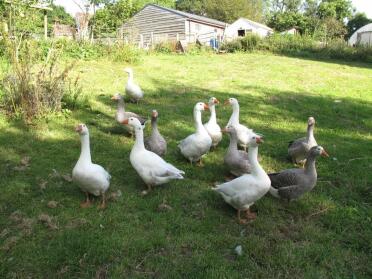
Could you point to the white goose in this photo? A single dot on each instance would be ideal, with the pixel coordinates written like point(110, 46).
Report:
point(211, 126)
point(242, 192)
point(243, 133)
point(196, 145)
point(150, 167)
point(121, 114)
point(132, 89)
point(92, 178)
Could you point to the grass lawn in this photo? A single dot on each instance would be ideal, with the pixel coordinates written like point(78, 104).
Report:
point(326, 234)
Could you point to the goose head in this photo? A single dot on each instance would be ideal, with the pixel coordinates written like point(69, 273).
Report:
point(231, 102)
point(311, 121)
point(201, 106)
point(117, 97)
point(128, 71)
point(82, 129)
point(255, 140)
point(229, 130)
point(154, 114)
point(318, 150)
point(213, 101)
point(132, 121)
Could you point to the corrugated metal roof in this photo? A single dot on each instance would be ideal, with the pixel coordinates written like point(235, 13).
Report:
point(256, 23)
point(191, 16)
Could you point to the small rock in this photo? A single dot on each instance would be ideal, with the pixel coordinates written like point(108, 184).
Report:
point(337, 101)
point(52, 204)
point(334, 159)
point(144, 193)
point(238, 250)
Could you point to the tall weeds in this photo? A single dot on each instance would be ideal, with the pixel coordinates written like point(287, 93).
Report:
point(32, 87)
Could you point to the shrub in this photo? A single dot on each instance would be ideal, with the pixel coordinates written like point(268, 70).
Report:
point(31, 89)
point(125, 53)
point(166, 47)
point(303, 46)
point(250, 42)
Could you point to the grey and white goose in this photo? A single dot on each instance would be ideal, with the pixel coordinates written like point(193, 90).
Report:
point(236, 160)
point(121, 114)
point(155, 142)
point(298, 149)
point(291, 184)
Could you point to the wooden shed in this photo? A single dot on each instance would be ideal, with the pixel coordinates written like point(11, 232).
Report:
point(155, 24)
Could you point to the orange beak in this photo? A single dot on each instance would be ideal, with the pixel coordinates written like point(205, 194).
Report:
point(216, 101)
point(206, 107)
point(154, 114)
point(78, 128)
point(227, 102)
point(324, 153)
point(224, 130)
point(114, 98)
point(259, 140)
point(125, 121)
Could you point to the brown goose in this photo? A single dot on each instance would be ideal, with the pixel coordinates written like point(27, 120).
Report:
point(298, 149)
point(155, 143)
point(236, 160)
point(121, 114)
point(293, 183)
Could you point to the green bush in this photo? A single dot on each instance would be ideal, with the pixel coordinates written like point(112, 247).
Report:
point(250, 42)
point(125, 53)
point(303, 46)
point(166, 47)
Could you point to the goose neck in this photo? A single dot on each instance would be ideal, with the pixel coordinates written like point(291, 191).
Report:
point(139, 144)
point(213, 117)
point(309, 167)
point(130, 76)
point(233, 142)
point(310, 132)
point(234, 119)
point(154, 125)
point(252, 157)
point(121, 105)
point(198, 122)
point(85, 156)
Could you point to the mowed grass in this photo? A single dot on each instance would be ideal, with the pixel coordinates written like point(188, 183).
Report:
point(326, 234)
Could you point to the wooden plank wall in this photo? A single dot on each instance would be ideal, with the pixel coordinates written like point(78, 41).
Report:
point(154, 24)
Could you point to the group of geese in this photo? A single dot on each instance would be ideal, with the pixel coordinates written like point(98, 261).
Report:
point(251, 182)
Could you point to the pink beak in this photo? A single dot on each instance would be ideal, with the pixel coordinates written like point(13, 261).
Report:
point(125, 122)
point(259, 140)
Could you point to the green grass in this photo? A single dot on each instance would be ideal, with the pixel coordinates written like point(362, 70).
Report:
point(326, 234)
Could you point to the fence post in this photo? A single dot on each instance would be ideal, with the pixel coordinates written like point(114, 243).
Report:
point(152, 39)
point(141, 41)
point(178, 37)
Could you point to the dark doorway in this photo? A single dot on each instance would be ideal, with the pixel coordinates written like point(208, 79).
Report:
point(241, 33)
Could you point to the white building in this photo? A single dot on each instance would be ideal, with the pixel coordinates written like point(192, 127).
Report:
point(363, 36)
point(243, 26)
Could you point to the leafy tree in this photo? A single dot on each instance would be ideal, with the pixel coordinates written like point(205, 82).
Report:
point(224, 10)
point(338, 9)
point(357, 21)
point(197, 7)
point(60, 15)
